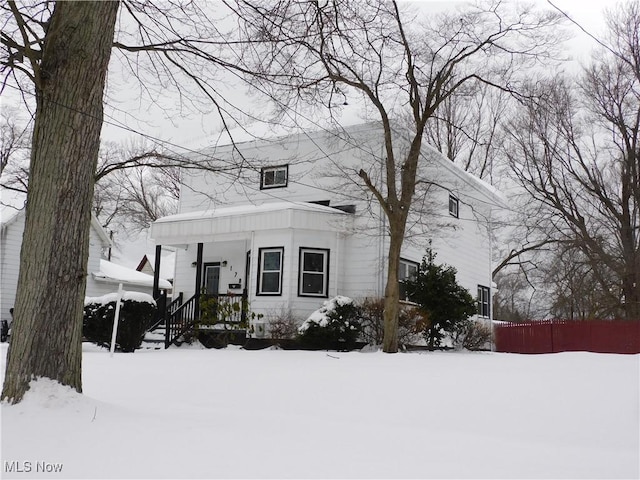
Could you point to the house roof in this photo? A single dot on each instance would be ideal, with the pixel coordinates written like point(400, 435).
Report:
point(238, 221)
point(492, 193)
point(351, 123)
point(9, 214)
point(167, 265)
point(113, 273)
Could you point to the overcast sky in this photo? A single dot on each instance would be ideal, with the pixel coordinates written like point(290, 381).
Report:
point(197, 130)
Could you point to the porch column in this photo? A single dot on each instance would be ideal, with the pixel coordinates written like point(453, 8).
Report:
point(198, 279)
point(156, 273)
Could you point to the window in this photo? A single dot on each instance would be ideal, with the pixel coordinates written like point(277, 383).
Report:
point(453, 206)
point(408, 271)
point(484, 297)
point(313, 273)
point(270, 271)
point(274, 177)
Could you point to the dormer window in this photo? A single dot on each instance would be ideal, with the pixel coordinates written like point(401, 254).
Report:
point(274, 177)
point(453, 206)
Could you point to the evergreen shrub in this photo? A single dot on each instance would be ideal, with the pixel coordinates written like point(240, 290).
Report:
point(137, 313)
point(334, 326)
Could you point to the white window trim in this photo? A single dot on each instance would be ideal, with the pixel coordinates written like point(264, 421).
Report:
point(275, 169)
point(261, 270)
point(455, 212)
point(482, 303)
point(325, 272)
point(408, 263)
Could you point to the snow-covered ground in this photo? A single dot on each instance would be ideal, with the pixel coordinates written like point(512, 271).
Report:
point(194, 413)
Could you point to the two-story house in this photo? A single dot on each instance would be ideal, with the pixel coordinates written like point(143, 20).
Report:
point(293, 224)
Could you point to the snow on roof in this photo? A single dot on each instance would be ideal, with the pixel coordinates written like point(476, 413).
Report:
point(112, 273)
point(113, 297)
point(167, 264)
point(320, 119)
point(12, 204)
point(249, 209)
point(470, 178)
point(348, 118)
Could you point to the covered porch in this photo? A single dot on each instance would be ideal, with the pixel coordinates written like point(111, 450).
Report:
point(221, 253)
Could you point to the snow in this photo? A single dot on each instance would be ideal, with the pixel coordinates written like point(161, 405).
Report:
point(167, 264)
point(197, 413)
point(114, 273)
point(321, 316)
point(248, 209)
point(127, 295)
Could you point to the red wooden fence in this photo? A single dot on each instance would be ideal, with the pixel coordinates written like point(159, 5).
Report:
point(552, 336)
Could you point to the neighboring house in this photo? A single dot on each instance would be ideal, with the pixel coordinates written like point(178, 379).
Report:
point(296, 226)
point(167, 265)
point(11, 231)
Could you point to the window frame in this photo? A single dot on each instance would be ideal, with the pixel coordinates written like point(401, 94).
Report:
point(484, 301)
point(261, 271)
point(274, 169)
point(325, 281)
point(408, 263)
point(453, 201)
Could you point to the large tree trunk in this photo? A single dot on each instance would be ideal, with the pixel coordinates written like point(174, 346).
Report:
point(47, 328)
point(392, 289)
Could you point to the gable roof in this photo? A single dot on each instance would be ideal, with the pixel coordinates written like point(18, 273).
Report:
point(9, 214)
point(167, 265)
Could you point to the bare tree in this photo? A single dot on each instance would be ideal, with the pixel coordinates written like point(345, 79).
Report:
point(466, 128)
point(68, 71)
point(58, 53)
point(576, 151)
point(310, 52)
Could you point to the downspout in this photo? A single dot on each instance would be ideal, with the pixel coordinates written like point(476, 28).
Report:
point(337, 264)
point(252, 267)
point(491, 292)
point(291, 271)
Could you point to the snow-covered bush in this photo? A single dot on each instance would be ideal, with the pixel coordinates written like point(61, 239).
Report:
point(335, 325)
point(137, 312)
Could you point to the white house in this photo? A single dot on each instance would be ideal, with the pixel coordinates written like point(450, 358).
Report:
point(103, 276)
point(296, 225)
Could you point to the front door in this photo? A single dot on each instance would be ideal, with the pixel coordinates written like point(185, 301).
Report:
point(211, 280)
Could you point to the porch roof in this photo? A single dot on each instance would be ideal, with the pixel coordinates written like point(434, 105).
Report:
point(237, 222)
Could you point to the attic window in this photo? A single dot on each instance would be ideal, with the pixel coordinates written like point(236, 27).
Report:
point(274, 177)
point(453, 206)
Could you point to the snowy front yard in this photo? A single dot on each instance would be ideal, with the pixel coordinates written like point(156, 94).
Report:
point(192, 413)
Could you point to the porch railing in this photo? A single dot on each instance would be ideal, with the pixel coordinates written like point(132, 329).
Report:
point(163, 310)
point(223, 311)
point(181, 320)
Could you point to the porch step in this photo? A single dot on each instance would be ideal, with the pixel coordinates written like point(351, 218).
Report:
point(153, 340)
